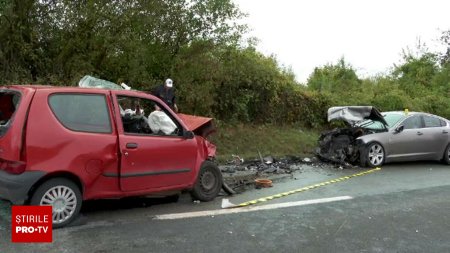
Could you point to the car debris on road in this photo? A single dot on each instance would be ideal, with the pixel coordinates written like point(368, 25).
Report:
point(237, 176)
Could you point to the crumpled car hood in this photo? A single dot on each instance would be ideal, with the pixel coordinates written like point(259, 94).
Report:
point(201, 126)
point(354, 114)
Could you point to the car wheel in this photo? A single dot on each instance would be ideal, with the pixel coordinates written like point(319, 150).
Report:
point(447, 155)
point(63, 195)
point(209, 182)
point(375, 154)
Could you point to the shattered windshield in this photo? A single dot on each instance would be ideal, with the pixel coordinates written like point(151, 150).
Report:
point(391, 118)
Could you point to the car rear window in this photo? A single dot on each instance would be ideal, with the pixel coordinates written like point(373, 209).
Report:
point(9, 102)
point(82, 112)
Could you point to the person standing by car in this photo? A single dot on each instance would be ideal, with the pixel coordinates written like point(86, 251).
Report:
point(166, 92)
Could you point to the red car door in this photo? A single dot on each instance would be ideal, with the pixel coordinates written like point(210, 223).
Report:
point(151, 158)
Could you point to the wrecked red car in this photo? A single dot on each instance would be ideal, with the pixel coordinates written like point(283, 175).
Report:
point(373, 138)
point(62, 145)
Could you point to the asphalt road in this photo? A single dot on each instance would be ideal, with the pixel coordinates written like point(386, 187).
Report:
point(402, 208)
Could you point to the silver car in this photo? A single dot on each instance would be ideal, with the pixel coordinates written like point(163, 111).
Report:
point(374, 138)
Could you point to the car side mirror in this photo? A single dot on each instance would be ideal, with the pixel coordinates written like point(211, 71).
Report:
point(399, 129)
point(188, 134)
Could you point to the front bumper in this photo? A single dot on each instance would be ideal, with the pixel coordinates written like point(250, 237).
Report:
point(15, 188)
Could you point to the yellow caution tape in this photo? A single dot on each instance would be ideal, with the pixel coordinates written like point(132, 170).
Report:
point(280, 195)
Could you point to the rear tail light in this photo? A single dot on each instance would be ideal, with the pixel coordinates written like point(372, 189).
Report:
point(13, 167)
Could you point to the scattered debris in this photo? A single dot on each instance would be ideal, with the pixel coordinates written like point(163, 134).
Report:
point(263, 183)
point(239, 175)
point(268, 160)
point(228, 189)
point(227, 204)
point(237, 160)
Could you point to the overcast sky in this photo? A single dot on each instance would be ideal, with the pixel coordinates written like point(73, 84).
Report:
point(370, 35)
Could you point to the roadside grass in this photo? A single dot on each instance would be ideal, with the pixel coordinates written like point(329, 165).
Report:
point(247, 141)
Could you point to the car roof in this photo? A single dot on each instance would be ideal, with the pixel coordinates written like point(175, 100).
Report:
point(415, 113)
point(62, 88)
point(409, 113)
point(39, 87)
point(401, 112)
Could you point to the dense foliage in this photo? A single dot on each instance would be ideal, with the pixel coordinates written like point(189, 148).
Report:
point(198, 43)
point(419, 83)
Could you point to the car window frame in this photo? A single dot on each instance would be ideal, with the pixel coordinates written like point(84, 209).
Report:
point(180, 126)
point(82, 94)
point(10, 121)
point(411, 116)
point(433, 117)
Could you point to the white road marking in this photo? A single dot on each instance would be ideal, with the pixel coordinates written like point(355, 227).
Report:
point(248, 208)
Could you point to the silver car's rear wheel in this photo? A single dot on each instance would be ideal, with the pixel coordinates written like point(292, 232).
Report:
point(375, 155)
point(447, 155)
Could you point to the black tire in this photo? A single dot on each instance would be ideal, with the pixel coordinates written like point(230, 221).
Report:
point(374, 155)
point(447, 155)
point(66, 203)
point(209, 182)
point(227, 189)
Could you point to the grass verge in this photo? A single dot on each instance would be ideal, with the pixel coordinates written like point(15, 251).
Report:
point(246, 140)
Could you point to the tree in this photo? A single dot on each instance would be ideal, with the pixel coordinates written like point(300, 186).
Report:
point(445, 39)
point(416, 73)
point(19, 49)
point(248, 85)
point(337, 78)
point(59, 41)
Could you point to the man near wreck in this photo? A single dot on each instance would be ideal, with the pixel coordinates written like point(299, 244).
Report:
point(166, 92)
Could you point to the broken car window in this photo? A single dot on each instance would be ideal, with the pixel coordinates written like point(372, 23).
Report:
point(391, 119)
point(145, 116)
point(8, 103)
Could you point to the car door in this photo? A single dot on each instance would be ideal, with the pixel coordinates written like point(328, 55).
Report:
point(152, 159)
point(436, 136)
point(407, 144)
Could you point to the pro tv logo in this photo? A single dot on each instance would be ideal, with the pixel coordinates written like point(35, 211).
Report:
point(31, 224)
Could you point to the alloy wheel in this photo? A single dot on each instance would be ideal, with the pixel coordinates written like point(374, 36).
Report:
point(63, 201)
point(376, 154)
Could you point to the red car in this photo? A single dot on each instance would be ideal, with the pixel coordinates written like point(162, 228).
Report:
point(62, 145)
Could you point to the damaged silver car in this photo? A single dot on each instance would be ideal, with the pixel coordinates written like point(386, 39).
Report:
point(373, 138)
